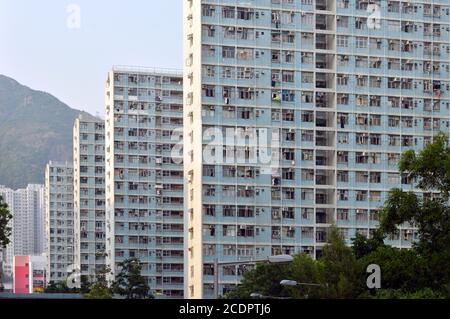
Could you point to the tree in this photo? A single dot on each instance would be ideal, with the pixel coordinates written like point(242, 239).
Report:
point(363, 246)
point(420, 272)
point(337, 275)
point(340, 267)
point(59, 287)
point(5, 217)
point(99, 290)
point(264, 279)
point(425, 293)
point(430, 213)
point(5, 232)
point(129, 282)
point(304, 269)
point(431, 167)
point(95, 286)
point(85, 284)
point(401, 269)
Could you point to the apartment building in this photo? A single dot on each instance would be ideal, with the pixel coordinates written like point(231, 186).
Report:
point(89, 195)
point(59, 221)
point(27, 224)
point(144, 180)
point(29, 274)
point(345, 86)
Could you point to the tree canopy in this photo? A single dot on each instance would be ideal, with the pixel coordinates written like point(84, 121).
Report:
point(420, 272)
point(5, 217)
point(129, 282)
point(99, 290)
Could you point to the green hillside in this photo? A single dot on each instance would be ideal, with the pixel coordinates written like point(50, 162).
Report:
point(35, 127)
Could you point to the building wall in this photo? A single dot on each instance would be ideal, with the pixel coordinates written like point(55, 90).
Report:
point(29, 274)
point(37, 202)
point(21, 274)
point(346, 95)
point(193, 129)
point(89, 195)
point(144, 187)
point(59, 220)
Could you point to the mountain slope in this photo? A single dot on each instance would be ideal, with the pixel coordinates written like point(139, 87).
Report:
point(35, 127)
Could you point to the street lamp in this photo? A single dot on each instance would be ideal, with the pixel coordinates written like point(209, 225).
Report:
point(293, 283)
point(259, 296)
point(278, 259)
point(290, 283)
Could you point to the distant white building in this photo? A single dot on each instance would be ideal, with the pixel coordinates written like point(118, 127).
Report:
point(59, 220)
point(89, 195)
point(27, 207)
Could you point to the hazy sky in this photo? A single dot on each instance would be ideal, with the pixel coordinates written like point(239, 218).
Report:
point(45, 46)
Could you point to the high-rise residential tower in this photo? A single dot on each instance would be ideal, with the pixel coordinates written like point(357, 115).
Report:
point(59, 221)
point(89, 195)
point(27, 207)
point(144, 177)
point(343, 87)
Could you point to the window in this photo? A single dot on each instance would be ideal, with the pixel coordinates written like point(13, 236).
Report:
point(361, 196)
point(307, 155)
point(342, 41)
point(361, 42)
point(343, 138)
point(208, 91)
point(343, 195)
point(308, 116)
point(342, 176)
point(362, 177)
point(342, 157)
point(307, 136)
point(375, 177)
point(342, 214)
point(375, 196)
point(342, 21)
point(228, 52)
point(288, 76)
point(375, 120)
point(342, 79)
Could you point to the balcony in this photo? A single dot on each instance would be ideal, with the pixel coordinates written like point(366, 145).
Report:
point(324, 158)
point(324, 100)
point(324, 61)
point(325, 139)
point(325, 22)
point(324, 197)
point(324, 216)
point(321, 235)
point(325, 5)
point(325, 42)
point(324, 119)
point(324, 177)
point(325, 80)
